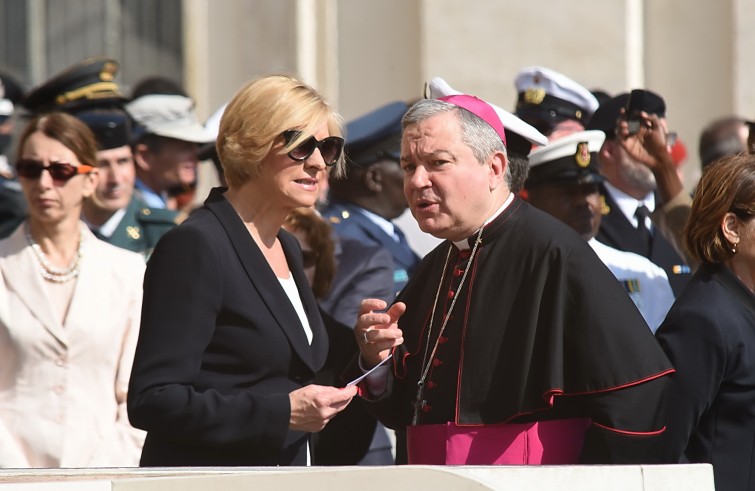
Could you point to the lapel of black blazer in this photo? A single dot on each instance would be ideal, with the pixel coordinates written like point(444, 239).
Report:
point(268, 287)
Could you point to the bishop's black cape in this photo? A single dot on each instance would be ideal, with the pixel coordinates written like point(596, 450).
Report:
point(538, 317)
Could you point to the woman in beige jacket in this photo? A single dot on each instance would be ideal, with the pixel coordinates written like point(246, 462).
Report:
point(69, 315)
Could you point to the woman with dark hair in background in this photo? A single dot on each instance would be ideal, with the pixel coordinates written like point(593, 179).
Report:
point(709, 333)
point(318, 251)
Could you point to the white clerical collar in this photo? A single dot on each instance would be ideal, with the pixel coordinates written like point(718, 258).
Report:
point(627, 204)
point(381, 222)
point(464, 244)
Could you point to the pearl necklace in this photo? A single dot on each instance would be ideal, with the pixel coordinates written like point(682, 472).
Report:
point(427, 361)
point(50, 272)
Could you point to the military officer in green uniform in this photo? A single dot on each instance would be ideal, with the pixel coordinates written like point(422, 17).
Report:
point(114, 213)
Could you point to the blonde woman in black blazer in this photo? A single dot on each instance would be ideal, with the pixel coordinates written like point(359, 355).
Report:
point(225, 362)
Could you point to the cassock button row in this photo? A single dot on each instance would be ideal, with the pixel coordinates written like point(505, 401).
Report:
point(465, 254)
point(437, 362)
point(450, 294)
point(431, 384)
point(458, 271)
point(443, 339)
point(426, 408)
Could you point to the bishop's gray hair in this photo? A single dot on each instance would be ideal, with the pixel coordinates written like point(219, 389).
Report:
point(475, 132)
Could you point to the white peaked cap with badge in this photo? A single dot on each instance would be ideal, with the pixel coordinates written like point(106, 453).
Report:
point(437, 88)
point(557, 85)
point(570, 159)
point(567, 147)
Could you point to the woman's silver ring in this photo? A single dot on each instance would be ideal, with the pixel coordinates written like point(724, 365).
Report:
point(364, 337)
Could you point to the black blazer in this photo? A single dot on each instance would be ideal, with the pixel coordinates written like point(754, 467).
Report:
point(220, 347)
point(616, 231)
point(709, 336)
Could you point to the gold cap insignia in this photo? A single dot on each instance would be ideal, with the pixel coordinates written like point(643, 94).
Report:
point(534, 95)
point(582, 156)
point(146, 211)
point(133, 232)
point(604, 208)
point(109, 69)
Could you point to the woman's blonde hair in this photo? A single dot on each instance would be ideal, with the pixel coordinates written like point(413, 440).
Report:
point(257, 115)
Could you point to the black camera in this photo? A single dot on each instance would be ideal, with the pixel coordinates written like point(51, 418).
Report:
point(634, 107)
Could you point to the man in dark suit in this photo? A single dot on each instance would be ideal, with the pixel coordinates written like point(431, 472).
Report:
point(364, 203)
point(630, 189)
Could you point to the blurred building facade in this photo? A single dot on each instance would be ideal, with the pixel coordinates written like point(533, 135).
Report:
point(363, 53)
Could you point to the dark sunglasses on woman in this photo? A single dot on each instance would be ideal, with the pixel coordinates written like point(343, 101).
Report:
point(59, 171)
point(330, 147)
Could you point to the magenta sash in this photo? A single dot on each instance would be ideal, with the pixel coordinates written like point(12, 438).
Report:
point(543, 442)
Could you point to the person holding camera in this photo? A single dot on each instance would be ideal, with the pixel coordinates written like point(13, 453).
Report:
point(640, 177)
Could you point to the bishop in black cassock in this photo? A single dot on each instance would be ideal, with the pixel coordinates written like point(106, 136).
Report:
point(519, 345)
point(541, 331)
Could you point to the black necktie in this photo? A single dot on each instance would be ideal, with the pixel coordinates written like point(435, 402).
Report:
point(646, 238)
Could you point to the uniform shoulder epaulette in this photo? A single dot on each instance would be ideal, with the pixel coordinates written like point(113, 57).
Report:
point(160, 215)
point(339, 216)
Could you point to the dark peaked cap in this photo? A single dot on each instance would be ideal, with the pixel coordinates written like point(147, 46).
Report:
point(608, 113)
point(111, 128)
point(375, 135)
point(87, 83)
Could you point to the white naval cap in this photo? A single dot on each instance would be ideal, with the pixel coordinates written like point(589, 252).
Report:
point(570, 158)
point(170, 116)
point(437, 88)
point(546, 94)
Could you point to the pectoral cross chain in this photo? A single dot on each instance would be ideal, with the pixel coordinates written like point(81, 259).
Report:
point(419, 403)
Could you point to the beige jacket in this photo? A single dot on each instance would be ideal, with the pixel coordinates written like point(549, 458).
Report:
point(63, 387)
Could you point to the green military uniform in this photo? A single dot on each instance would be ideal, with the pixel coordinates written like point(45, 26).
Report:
point(142, 226)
